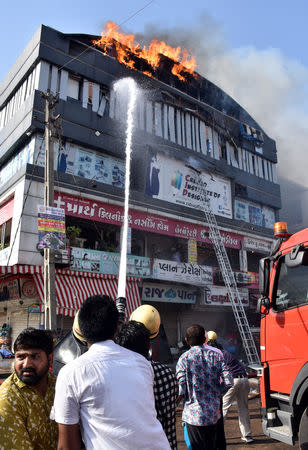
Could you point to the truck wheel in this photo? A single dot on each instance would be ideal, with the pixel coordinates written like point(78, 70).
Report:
point(303, 431)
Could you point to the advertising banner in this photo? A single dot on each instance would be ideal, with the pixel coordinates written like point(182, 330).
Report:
point(9, 290)
point(218, 295)
point(108, 263)
point(173, 181)
point(254, 214)
point(85, 163)
point(168, 293)
point(51, 227)
point(108, 213)
point(182, 272)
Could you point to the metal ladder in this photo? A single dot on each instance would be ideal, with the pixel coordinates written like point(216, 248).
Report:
point(228, 276)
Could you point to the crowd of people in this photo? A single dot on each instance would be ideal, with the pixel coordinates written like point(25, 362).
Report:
point(113, 396)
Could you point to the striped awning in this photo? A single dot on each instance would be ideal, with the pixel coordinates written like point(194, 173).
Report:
point(73, 287)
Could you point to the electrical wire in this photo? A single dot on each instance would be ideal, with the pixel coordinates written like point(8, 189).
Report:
point(137, 12)
point(89, 47)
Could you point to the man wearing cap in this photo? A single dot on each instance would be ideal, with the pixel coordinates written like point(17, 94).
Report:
point(238, 392)
point(102, 390)
point(26, 397)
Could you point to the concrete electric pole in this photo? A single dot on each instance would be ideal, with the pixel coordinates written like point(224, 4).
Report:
point(51, 126)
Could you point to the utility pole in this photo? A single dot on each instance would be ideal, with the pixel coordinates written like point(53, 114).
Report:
point(51, 125)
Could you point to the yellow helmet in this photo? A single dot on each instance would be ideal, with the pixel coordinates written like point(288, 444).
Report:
point(149, 316)
point(76, 330)
point(212, 336)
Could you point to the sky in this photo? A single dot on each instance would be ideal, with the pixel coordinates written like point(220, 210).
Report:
point(254, 50)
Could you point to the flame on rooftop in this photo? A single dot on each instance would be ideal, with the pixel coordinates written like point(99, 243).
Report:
point(114, 42)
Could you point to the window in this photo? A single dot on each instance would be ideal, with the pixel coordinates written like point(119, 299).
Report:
point(240, 190)
point(222, 148)
point(291, 286)
point(73, 87)
point(253, 259)
point(90, 93)
point(5, 234)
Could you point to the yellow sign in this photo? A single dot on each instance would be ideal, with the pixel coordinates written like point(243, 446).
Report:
point(192, 252)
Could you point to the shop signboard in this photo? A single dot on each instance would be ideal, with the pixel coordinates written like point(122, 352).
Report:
point(218, 296)
point(108, 263)
point(247, 279)
point(182, 272)
point(192, 252)
point(34, 309)
point(168, 293)
point(9, 290)
point(51, 227)
point(175, 182)
point(84, 208)
point(257, 245)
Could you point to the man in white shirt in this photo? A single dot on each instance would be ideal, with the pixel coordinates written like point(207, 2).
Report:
point(108, 390)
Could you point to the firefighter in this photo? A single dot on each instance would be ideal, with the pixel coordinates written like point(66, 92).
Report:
point(149, 316)
point(74, 344)
point(165, 384)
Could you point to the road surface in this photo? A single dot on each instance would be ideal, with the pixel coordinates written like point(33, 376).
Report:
point(232, 431)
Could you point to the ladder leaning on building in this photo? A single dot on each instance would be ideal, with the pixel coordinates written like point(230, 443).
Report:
point(228, 275)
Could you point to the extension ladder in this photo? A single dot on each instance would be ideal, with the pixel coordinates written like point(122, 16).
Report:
point(228, 275)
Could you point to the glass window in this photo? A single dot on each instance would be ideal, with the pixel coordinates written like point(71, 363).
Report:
point(292, 286)
point(73, 88)
point(5, 234)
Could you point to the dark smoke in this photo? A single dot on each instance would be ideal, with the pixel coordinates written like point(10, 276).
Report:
point(269, 85)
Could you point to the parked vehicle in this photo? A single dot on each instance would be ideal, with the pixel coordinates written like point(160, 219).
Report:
point(284, 337)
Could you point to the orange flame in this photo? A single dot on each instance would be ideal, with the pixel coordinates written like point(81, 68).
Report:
point(123, 47)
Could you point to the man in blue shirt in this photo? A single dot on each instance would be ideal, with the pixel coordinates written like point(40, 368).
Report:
point(202, 376)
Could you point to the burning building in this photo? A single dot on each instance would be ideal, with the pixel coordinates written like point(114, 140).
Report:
point(183, 122)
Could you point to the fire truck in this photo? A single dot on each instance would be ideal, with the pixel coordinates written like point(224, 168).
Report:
point(283, 306)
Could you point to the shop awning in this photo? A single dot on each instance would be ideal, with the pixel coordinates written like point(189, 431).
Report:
point(73, 287)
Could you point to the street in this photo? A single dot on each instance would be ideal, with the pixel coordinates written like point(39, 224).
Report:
point(231, 427)
point(233, 433)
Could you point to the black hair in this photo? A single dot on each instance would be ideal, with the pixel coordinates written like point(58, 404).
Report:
point(134, 336)
point(214, 343)
point(195, 335)
point(98, 318)
point(34, 338)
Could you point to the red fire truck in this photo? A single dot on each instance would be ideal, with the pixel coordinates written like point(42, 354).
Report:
point(284, 337)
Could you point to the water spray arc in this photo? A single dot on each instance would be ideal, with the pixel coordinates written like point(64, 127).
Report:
point(126, 87)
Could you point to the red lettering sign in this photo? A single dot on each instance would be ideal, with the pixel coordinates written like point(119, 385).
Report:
point(108, 213)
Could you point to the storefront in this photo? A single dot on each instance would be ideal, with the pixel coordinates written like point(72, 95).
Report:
point(22, 295)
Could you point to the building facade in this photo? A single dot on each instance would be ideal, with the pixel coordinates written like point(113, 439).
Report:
point(181, 128)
